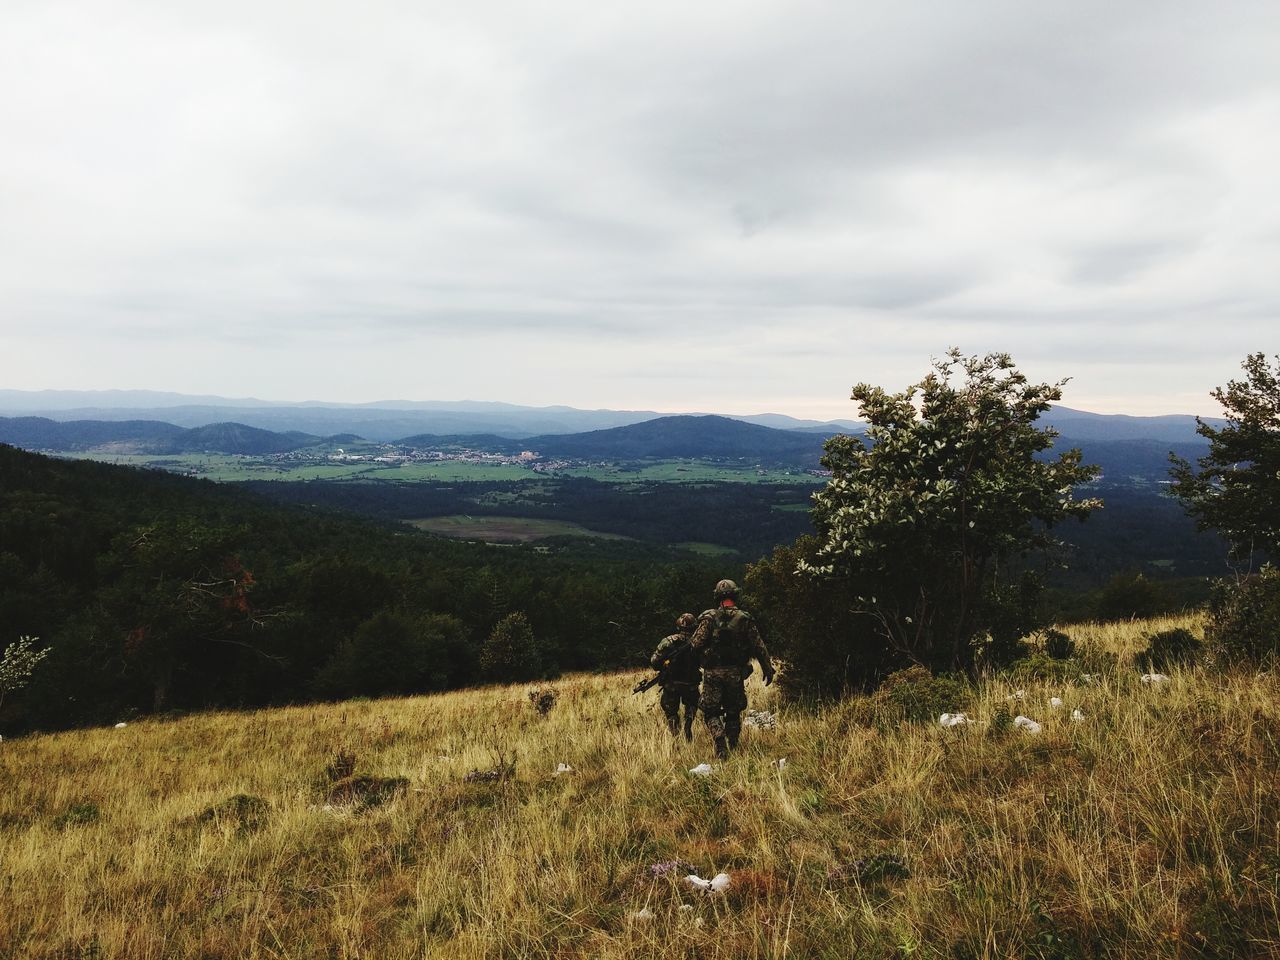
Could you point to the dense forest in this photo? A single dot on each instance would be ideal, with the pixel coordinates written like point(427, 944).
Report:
point(158, 592)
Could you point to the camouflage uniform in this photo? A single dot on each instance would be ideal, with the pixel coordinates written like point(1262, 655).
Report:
point(727, 639)
point(679, 683)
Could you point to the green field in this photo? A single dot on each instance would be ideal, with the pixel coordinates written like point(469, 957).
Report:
point(687, 471)
point(506, 529)
point(707, 549)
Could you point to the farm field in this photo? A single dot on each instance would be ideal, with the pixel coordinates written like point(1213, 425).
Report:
point(1148, 829)
point(506, 529)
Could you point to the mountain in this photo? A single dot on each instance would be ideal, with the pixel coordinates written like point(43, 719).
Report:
point(1118, 426)
point(145, 436)
point(709, 437)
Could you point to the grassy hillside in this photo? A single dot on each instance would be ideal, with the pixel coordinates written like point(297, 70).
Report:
point(1149, 829)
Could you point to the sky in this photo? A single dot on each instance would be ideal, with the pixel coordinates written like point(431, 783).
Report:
point(729, 207)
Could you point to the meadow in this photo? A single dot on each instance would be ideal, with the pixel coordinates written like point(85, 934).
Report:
point(505, 529)
point(1146, 829)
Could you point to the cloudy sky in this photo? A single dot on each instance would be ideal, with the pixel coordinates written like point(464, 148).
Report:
point(734, 207)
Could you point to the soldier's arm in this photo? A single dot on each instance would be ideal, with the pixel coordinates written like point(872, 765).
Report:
point(760, 652)
point(660, 654)
point(701, 633)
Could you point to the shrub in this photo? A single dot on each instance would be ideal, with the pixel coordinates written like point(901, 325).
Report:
point(1244, 617)
point(543, 700)
point(1167, 649)
point(511, 652)
point(1058, 645)
point(915, 695)
point(77, 815)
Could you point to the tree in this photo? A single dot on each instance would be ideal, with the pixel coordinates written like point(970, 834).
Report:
point(956, 483)
point(18, 664)
point(511, 653)
point(1237, 488)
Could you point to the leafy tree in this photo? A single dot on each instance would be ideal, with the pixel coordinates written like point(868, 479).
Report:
point(956, 483)
point(18, 664)
point(511, 653)
point(394, 653)
point(1237, 488)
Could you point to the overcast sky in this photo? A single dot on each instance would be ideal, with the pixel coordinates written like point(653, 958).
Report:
point(733, 207)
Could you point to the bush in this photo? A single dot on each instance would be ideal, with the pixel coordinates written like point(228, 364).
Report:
point(1041, 666)
point(1058, 645)
point(1244, 617)
point(915, 695)
point(1166, 649)
point(511, 653)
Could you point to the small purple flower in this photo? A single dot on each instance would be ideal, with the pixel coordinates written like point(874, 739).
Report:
point(668, 867)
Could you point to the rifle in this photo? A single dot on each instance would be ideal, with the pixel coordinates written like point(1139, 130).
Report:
point(651, 682)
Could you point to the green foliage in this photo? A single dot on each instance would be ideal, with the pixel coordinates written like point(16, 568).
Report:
point(812, 625)
point(1058, 645)
point(1237, 488)
point(955, 485)
point(917, 696)
point(1129, 596)
point(1244, 617)
point(1040, 666)
point(18, 664)
point(1168, 648)
point(1001, 722)
point(511, 652)
point(396, 652)
point(77, 815)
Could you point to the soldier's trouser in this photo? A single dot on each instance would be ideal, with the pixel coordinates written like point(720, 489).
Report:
point(674, 694)
point(723, 700)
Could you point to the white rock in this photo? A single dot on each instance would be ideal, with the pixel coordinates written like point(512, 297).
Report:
point(121, 725)
point(1026, 723)
point(780, 763)
point(1077, 715)
point(1055, 702)
point(717, 884)
point(1155, 679)
point(644, 915)
point(563, 768)
point(954, 720)
point(701, 770)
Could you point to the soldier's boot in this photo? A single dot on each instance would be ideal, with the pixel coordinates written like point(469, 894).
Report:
point(688, 727)
point(673, 725)
point(732, 734)
point(722, 749)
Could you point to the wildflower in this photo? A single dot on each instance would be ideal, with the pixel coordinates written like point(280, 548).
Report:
point(701, 770)
point(1017, 695)
point(686, 908)
point(1026, 723)
point(954, 720)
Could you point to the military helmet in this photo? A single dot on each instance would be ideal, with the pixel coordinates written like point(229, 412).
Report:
point(726, 590)
point(686, 621)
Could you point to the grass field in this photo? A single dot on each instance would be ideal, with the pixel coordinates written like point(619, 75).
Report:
point(707, 549)
point(506, 529)
point(1147, 830)
point(230, 468)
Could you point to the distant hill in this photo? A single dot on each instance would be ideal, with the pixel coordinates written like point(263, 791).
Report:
point(145, 436)
point(1103, 426)
point(709, 437)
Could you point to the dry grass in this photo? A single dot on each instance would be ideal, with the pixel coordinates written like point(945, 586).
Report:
point(1148, 830)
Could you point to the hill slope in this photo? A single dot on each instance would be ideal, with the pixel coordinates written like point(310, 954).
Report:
point(1147, 829)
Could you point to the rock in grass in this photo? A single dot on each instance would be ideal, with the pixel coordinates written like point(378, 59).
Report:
point(1026, 723)
point(701, 770)
point(1155, 679)
point(717, 884)
point(954, 720)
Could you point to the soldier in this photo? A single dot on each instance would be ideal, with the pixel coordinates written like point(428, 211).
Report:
point(680, 676)
point(727, 639)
